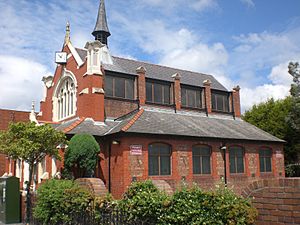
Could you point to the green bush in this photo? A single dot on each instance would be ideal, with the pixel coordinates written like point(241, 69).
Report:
point(143, 201)
point(61, 200)
point(194, 206)
point(81, 156)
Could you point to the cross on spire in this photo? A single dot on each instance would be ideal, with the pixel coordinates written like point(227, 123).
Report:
point(101, 32)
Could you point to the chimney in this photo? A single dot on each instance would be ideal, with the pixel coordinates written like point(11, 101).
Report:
point(236, 101)
point(141, 71)
point(207, 94)
point(177, 91)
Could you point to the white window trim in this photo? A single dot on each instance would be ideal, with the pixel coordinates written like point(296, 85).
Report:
point(59, 115)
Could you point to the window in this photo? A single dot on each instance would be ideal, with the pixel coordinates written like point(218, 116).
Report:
point(265, 160)
point(236, 159)
point(191, 97)
point(201, 159)
point(119, 87)
point(159, 159)
point(220, 101)
point(157, 92)
point(66, 98)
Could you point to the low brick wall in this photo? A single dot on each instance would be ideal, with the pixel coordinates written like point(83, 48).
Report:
point(277, 200)
point(95, 185)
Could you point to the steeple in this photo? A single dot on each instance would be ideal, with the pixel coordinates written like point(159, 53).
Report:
point(101, 32)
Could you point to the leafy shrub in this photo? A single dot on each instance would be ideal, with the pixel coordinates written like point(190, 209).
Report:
point(194, 206)
point(81, 156)
point(292, 170)
point(143, 201)
point(61, 200)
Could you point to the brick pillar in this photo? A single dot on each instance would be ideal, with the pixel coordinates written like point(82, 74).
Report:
point(91, 98)
point(177, 91)
point(236, 101)
point(207, 89)
point(141, 71)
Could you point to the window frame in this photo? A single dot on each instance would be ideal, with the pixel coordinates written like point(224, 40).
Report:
point(201, 159)
point(214, 94)
point(195, 89)
point(159, 159)
point(65, 99)
point(152, 82)
point(231, 148)
point(264, 157)
point(126, 78)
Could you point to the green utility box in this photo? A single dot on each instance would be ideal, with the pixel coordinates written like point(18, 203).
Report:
point(9, 200)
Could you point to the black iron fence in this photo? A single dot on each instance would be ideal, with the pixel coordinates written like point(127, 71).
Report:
point(106, 217)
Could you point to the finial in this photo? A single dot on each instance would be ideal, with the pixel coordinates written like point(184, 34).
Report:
point(67, 36)
point(32, 116)
point(176, 76)
point(33, 106)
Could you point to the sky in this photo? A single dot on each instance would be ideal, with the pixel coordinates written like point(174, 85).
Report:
point(241, 42)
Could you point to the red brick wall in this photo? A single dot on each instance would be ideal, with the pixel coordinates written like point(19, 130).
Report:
point(126, 166)
point(8, 116)
point(116, 108)
point(277, 200)
point(88, 105)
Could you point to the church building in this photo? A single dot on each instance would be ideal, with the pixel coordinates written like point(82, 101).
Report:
point(152, 121)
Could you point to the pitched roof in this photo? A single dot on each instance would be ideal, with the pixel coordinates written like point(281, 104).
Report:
point(166, 122)
point(164, 73)
point(154, 121)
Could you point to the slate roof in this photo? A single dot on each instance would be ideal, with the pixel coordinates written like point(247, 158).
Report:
point(167, 122)
point(101, 23)
point(197, 125)
point(164, 73)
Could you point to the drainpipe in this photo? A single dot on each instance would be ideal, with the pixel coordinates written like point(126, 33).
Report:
point(223, 149)
point(109, 172)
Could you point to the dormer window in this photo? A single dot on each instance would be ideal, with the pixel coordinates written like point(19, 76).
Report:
point(220, 101)
point(119, 87)
point(157, 92)
point(65, 99)
point(191, 97)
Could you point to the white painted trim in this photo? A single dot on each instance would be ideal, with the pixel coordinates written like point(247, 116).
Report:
point(75, 54)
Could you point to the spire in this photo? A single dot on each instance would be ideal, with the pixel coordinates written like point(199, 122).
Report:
point(101, 32)
point(67, 36)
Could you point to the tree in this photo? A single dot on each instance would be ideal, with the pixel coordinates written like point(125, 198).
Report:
point(81, 156)
point(271, 116)
point(294, 116)
point(31, 143)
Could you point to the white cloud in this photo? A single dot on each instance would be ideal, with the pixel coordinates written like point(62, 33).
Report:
point(20, 82)
point(249, 3)
point(197, 5)
point(251, 96)
point(201, 5)
point(279, 75)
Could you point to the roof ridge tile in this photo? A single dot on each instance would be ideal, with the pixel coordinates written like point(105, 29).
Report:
point(133, 120)
point(73, 125)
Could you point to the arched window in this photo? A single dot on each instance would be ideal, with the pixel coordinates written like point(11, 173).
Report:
point(265, 160)
point(201, 159)
point(236, 159)
point(159, 159)
point(65, 99)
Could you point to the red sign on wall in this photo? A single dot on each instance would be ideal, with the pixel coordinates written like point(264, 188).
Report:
point(136, 149)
